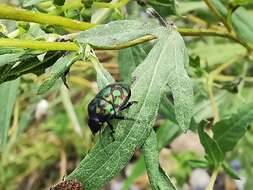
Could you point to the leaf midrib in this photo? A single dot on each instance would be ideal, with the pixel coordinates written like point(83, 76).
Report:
point(235, 125)
point(132, 126)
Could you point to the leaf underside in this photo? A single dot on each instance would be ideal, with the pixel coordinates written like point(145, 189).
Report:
point(164, 62)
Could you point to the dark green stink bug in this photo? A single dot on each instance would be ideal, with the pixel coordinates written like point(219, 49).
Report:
point(107, 104)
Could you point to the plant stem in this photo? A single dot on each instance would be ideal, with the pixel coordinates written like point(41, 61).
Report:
point(212, 179)
point(211, 77)
point(215, 75)
point(38, 45)
point(15, 13)
point(212, 99)
point(70, 46)
point(219, 69)
point(67, 46)
point(216, 12)
point(226, 78)
point(212, 32)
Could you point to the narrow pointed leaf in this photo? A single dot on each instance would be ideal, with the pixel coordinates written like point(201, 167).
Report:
point(116, 33)
point(212, 149)
point(8, 92)
point(157, 177)
point(29, 63)
point(103, 76)
point(165, 134)
point(164, 7)
point(177, 79)
point(130, 58)
point(241, 21)
point(198, 163)
point(108, 157)
point(242, 2)
point(230, 171)
point(229, 131)
point(10, 58)
point(59, 68)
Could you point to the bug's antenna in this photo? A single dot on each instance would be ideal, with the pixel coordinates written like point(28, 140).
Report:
point(154, 13)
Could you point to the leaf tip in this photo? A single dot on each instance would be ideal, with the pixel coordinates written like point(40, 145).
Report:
point(45, 86)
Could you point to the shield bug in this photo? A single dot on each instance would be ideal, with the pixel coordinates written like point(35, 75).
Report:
point(67, 185)
point(107, 104)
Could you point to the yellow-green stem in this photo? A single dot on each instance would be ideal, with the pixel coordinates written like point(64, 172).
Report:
point(212, 179)
point(67, 46)
point(15, 13)
point(38, 45)
point(216, 13)
point(214, 75)
point(222, 67)
point(212, 99)
point(225, 78)
point(70, 46)
point(212, 32)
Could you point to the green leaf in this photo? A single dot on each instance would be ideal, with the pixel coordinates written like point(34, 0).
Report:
point(12, 55)
point(178, 80)
point(212, 149)
point(7, 58)
point(103, 76)
point(241, 21)
point(59, 2)
point(220, 7)
point(35, 33)
point(181, 87)
point(243, 25)
point(228, 132)
point(30, 63)
point(164, 7)
point(188, 6)
point(27, 3)
point(209, 52)
point(230, 171)
point(130, 58)
point(59, 68)
point(158, 179)
point(8, 92)
point(116, 33)
point(242, 2)
point(165, 134)
point(203, 109)
point(104, 162)
point(167, 109)
point(198, 163)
